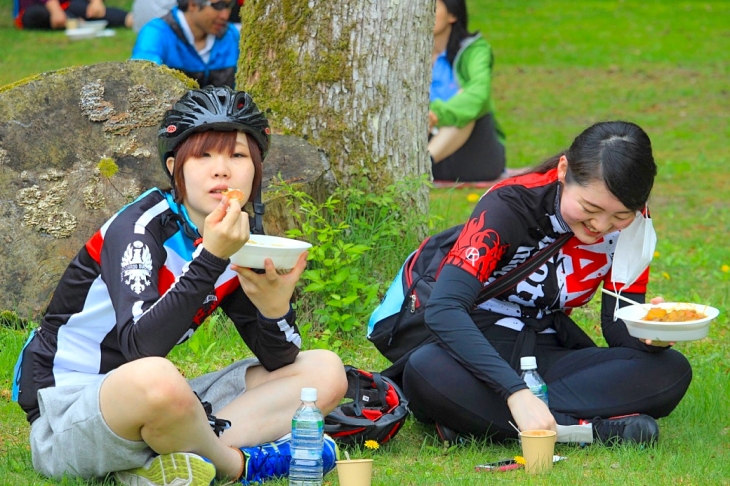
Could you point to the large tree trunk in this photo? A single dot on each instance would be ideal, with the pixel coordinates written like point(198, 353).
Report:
point(350, 76)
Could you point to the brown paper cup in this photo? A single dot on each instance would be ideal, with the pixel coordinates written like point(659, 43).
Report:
point(538, 447)
point(355, 472)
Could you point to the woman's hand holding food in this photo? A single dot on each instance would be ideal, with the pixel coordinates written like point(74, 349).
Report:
point(271, 292)
point(530, 412)
point(226, 229)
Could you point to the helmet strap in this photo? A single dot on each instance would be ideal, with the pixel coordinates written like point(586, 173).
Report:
point(178, 218)
point(258, 213)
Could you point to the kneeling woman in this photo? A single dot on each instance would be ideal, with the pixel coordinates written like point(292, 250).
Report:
point(94, 381)
point(468, 382)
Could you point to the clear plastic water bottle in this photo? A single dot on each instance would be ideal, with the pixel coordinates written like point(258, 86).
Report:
point(534, 381)
point(307, 439)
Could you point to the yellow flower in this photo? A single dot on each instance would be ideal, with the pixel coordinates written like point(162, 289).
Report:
point(472, 197)
point(656, 254)
point(520, 460)
point(666, 276)
point(372, 444)
point(725, 268)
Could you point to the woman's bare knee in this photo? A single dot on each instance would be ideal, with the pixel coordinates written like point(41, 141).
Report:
point(329, 373)
point(144, 391)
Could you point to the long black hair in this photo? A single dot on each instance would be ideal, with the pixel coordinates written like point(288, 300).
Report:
point(618, 153)
point(459, 29)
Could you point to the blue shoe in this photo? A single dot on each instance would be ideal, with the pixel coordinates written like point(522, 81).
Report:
point(330, 454)
point(175, 469)
point(271, 460)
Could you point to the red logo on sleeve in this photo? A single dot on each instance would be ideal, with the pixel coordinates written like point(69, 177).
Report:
point(477, 250)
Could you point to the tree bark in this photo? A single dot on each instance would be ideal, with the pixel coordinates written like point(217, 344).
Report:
point(350, 76)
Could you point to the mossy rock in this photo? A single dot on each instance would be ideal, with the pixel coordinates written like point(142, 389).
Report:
point(79, 143)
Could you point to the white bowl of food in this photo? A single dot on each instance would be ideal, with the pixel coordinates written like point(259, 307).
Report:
point(81, 33)
point(284, 252)
point(668, 321)
point(97, 25)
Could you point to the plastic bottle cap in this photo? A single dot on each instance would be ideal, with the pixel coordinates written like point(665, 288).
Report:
point(309, 395)
point(528, 363)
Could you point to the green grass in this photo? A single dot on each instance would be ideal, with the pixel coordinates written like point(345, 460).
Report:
point(560, 65)
point(25, 53)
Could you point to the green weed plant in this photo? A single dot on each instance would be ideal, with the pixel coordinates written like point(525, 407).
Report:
point(350, 231)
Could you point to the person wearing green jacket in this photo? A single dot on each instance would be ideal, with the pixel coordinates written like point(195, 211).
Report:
point(466, 142)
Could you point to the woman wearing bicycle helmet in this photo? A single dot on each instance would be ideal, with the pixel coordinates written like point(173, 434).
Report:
point(94, 379)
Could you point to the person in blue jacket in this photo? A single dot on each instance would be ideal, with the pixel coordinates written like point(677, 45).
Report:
point(195, 38)
point(146, 10)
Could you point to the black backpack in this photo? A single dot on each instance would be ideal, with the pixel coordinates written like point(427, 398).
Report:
point(397, 326)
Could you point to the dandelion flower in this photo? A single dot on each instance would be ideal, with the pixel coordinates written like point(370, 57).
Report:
point(656, 254)
point(472, 197)
point(725, 268)
point(666, 276)
point(520, 460)
point(372, 445)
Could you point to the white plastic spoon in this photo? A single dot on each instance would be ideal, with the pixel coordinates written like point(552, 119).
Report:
point(625, 299)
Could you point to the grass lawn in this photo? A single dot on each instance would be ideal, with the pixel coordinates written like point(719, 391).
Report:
point(560, 66)
point(30, 52)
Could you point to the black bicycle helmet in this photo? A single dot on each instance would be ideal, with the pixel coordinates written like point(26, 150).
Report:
point(211, 108)
point(376, 411)
point(215, 108)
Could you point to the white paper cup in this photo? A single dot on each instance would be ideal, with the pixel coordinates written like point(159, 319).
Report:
point(538, 447)
point(355, 472)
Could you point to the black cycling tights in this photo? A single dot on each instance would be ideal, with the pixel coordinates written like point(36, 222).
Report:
point(582, 384)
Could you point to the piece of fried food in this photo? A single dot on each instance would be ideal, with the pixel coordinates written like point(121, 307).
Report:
point(235, 194)
point(655, 314)
point(676, 315)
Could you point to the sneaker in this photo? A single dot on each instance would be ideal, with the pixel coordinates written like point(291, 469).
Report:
point(271, 460)
point(175, 469)
point(330, 454)
point(636, 428)
point(448, 436)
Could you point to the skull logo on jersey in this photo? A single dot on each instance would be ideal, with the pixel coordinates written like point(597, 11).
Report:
point(137, 266)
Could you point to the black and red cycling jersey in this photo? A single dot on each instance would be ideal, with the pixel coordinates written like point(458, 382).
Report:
point(139, 287)
point(510, 223)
